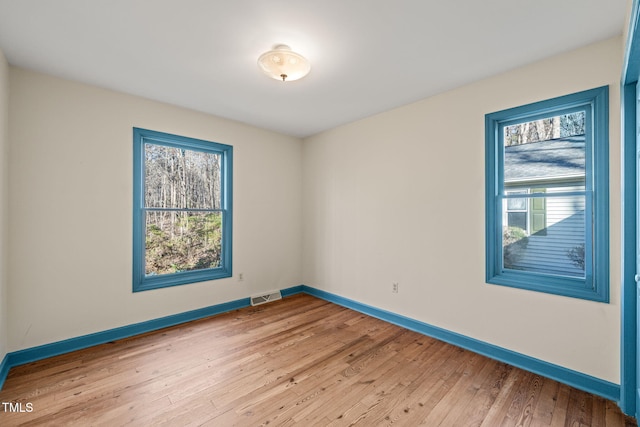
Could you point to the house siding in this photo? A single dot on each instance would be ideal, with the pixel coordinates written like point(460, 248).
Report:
point(548, 253)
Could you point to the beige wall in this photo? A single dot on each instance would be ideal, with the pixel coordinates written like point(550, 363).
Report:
point(4, 199)
point(71, 209)
point(399, 197)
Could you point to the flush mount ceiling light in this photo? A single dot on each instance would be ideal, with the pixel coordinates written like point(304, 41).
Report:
point(282, 63)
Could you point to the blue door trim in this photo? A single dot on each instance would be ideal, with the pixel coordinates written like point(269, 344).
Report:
point(628, 350)
point(631, 65)
point(628, 255)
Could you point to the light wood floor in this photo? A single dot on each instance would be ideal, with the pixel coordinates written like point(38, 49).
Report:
point(299, 361)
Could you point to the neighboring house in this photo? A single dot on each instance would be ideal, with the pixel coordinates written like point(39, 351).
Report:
point(554, 225)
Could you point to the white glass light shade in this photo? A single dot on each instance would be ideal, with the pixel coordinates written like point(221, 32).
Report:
point(283, 64)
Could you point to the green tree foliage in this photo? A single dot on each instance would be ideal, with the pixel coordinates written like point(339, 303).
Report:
point(514, 244)
point(194, 244)
point(576, 256)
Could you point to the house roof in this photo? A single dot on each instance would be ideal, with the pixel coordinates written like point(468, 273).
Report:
point(553, 159)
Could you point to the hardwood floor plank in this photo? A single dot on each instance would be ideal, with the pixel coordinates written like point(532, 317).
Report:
point(543, 412)
point(519, 400)
point(397, 391)
point(532, 395)
point(481, 395)
point(300, 361)
point(454, 389)
point(350, 384)
point(579, 409)
point(562, 403)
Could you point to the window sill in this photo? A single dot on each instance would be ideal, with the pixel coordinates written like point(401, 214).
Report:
point(565, 286)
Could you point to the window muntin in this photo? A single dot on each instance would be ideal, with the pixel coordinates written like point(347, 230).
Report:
point(546, 167)
point(182, 210)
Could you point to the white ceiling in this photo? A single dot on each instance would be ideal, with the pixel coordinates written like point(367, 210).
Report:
point(367, 56)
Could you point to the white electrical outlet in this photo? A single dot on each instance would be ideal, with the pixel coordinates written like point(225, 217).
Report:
point(240, 277)
point(394, 287)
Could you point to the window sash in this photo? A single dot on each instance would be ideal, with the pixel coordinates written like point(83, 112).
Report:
point(142, 281)
point(595, 284)
point(546, 250)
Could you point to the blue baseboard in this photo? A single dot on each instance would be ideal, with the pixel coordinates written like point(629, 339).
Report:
point(573, 378)
point(4, 369)
point(292, 290)
point(32, 354)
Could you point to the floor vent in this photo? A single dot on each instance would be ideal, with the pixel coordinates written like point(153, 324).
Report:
point(262, 299)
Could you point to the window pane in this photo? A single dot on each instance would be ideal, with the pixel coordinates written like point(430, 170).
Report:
point(517, 219)
point(519, 204)
point(545, 149)
point(181, 179)
point(182, 241)
point(556, 240)
point(560, 126)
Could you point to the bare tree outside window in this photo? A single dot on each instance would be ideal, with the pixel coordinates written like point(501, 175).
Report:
point(561, 126)
point(182, 198)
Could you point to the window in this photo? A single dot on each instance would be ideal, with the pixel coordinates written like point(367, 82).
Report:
point(528, 214)
point(547, 202)
point(181, 210)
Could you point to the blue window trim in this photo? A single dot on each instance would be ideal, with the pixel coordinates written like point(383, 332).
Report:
point(143, 282)
point(595, 286)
